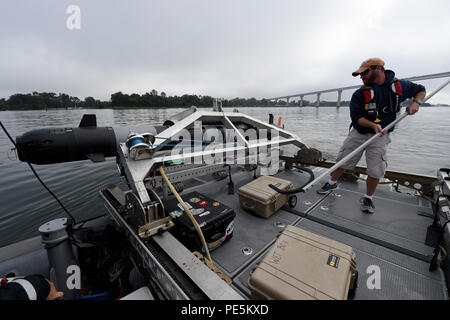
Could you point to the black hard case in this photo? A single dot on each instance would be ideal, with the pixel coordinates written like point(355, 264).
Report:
point(217, 227)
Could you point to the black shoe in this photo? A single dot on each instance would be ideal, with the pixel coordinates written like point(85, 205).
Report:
point(327, 188)
point(367, 205)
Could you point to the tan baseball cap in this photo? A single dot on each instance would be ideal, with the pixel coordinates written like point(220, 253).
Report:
point(367, 64)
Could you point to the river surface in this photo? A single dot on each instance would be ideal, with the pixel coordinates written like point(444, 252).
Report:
point(420, 144)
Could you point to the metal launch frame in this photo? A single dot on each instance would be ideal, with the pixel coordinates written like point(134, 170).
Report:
point(138, 170)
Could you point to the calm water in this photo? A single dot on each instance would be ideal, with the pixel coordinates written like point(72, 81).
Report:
point(420, 144)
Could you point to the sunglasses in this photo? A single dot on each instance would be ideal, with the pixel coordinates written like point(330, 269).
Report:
point(367, 71)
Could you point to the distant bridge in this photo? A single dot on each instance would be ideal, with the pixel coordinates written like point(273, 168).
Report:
point(340, 90)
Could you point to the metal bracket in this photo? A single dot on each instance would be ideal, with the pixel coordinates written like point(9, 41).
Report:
point(155, 227)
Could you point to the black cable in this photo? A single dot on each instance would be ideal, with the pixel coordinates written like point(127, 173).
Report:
point(299, 189)
point(230, 183)
point(35, 173)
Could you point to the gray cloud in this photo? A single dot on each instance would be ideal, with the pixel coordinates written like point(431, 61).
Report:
point(219, 48)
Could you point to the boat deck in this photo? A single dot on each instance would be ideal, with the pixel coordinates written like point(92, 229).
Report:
point(392, 238)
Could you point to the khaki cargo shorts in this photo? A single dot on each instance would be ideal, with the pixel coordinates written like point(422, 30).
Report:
point(375, 152)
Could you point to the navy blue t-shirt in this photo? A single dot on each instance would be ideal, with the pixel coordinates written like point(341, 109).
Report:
point(383, 102)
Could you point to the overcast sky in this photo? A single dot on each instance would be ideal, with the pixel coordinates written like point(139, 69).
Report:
point(227, 48)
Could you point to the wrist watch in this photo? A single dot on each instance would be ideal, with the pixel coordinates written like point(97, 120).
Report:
point(418, 101)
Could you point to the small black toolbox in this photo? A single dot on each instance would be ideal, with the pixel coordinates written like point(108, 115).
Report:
point(214, 218)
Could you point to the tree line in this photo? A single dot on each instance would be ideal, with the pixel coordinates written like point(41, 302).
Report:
point(152, 99)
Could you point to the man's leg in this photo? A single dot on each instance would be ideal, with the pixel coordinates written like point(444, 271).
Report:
point(336, 174)
point(353, 140)
point(332, 181)
point(376, 167)
point(371, 185)
point(367, 201)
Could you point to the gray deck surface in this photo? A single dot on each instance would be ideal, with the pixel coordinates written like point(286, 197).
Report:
point(392, 238)
point(400, 219)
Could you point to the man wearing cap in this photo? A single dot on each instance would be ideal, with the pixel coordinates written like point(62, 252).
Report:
point(372, 108)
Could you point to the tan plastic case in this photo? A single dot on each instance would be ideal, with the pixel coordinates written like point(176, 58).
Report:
point(304, 266)
point(262, 200)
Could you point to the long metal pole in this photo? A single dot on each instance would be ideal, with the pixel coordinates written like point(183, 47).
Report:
point(365, 144)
